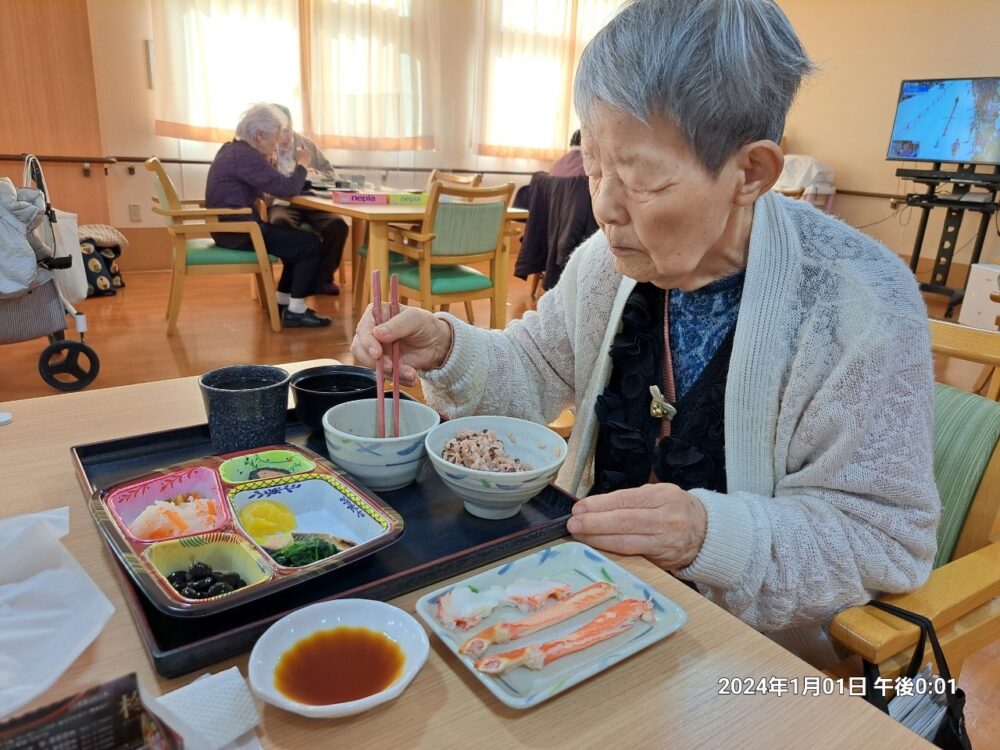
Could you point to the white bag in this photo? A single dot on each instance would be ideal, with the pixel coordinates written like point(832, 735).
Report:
point(72, 281)
point(58, 231)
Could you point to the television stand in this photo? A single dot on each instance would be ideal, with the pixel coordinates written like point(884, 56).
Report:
point(957, 202)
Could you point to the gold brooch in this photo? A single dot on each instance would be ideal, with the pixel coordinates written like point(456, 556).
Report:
point(659, 407)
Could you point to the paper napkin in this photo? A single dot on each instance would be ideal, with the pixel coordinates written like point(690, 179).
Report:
point(215, 711)
point(50, 609)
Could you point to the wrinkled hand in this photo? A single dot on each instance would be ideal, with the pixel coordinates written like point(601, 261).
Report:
point(662, 522)
point(303, 156)
point(424, 341)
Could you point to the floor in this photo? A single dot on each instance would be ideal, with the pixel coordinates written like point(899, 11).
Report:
point(128, 333)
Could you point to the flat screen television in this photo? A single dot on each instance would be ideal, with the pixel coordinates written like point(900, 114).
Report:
point(953, 120)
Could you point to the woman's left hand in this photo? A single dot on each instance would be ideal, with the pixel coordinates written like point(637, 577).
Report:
point(662, 522)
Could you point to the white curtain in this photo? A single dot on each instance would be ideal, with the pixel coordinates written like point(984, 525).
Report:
point(374, 74)
point(214, 58)
point(528, 55)
point(369, 68)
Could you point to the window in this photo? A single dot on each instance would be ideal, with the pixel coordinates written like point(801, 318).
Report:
point(356, 74)
point(528, 56)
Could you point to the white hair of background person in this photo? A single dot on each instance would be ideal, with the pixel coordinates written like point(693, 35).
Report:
point(652, 60)
point(260, 118)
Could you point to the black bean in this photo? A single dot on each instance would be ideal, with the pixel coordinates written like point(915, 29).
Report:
point(189, 593)
point(199, 570)
point(178, 578)
point(219, 587)
point(202, 584)
point(233, 579)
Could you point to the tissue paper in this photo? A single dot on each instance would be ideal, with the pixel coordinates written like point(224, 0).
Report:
point(50, 609)
point(213, 712)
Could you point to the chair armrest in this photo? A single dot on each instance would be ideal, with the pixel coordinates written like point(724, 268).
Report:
point(951, 592)
point(201, 213)
point(416, 252)
point(417, 236)
point(229, 227)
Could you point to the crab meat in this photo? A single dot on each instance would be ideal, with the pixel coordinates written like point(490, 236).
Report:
point(531, 595)
point(613, 621)
point(504, 632)
point(464, 608)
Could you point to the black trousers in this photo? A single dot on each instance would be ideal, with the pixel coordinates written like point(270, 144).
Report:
point(301, 254)
point(332, 231)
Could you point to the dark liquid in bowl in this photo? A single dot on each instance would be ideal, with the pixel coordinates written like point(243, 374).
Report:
point(338, 665)
point(335, 383)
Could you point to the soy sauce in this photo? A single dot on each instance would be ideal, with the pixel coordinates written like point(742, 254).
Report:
point(338, 665)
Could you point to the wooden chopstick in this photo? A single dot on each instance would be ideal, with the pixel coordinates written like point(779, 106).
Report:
point(394, 311)
point(379, 375)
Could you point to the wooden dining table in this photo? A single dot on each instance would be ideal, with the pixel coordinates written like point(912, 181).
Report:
point(671, 694)
point(378, 217)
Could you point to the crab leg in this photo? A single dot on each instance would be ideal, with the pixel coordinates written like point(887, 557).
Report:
point(560, 611)
point(611, 622)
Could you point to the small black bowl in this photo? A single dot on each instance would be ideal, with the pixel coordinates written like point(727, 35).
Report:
point(317, 389)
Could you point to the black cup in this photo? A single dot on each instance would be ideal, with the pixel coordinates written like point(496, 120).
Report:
point(316, 390)
point(246, 406)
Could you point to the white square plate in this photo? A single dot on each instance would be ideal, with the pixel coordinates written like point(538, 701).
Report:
point(579, 566)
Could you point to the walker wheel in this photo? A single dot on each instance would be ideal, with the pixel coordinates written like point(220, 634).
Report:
point(68, 365)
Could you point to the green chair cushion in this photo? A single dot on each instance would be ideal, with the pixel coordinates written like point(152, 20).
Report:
point(966, 430)
point(393, 257)
point(444, 279)
point(204, 252)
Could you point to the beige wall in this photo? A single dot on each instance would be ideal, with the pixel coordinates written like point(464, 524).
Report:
point(844, 114)
point(47, 106)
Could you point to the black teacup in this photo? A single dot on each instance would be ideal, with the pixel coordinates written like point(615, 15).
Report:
point(316, 390)
point(246, 406)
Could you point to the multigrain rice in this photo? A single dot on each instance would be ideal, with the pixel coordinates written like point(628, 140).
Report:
point(481, 450)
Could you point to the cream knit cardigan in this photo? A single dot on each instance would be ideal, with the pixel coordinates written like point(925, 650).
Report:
point(828, 421)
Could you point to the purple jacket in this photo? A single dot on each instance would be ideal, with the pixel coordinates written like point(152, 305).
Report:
point(238, 176)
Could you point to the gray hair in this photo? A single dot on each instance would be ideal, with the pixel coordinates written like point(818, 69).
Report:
point(260, 118)
point(724, 71)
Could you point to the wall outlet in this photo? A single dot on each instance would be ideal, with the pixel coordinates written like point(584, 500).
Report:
point(134, 212)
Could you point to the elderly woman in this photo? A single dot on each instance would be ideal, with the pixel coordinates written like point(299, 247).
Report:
point(752, 378)
point(332, 229)
point(242, 173)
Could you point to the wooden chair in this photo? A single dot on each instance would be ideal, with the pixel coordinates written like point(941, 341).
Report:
point(962, 596)
point(359, 261)
point(194, 254)
point(452, 178)
point(974, 345)
point(470, 228)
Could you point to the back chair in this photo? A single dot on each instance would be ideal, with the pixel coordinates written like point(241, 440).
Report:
point(460, 226)
point(453, 178)
point(962, 596)
point(359, 260)
point(195, 253)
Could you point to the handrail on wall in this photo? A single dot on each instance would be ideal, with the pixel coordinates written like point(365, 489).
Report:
point(86, 161)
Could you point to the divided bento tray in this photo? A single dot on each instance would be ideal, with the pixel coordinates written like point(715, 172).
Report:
point(260, 521)
point(441, 540)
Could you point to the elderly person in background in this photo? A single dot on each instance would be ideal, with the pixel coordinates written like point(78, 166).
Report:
point(331, 229)
point(570, 164)
point(240, 174)
point(752, 378)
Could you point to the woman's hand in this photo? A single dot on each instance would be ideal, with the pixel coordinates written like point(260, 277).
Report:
point(303, 157)
point(424, 341)
point(662, 522)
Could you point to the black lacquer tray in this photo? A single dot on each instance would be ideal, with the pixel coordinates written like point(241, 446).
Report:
point(440, 540)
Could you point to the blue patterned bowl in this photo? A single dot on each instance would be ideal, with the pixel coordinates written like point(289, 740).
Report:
point(498, 494)
point(380, 463)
